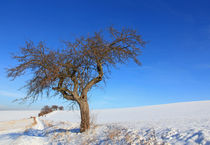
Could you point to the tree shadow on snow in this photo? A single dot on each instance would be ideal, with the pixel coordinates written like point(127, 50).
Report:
point(60, 130)
point(199, 137)
point(39, 133)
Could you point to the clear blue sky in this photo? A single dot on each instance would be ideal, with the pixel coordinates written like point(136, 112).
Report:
point(176, 61)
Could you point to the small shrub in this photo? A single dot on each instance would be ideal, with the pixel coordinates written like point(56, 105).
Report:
point(45, 110)
point(54, 107)
point(60, 108)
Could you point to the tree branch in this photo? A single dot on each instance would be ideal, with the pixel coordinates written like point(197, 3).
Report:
point(94, 80)
point(68, 96)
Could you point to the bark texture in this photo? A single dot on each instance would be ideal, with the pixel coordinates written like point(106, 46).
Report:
point(85, 116)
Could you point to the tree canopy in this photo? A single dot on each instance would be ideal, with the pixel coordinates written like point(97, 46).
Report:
point(73, 70)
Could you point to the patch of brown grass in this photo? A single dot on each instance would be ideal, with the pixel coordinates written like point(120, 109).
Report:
point(48, 123)
point(115, 133)
point(59, 137)
point(93, 120)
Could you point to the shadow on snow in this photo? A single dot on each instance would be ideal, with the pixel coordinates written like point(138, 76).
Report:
point(39, 133)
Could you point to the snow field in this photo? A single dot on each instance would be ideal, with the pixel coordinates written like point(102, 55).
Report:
point(178, 123)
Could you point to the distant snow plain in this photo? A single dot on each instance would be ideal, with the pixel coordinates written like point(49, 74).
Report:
point(177, 123)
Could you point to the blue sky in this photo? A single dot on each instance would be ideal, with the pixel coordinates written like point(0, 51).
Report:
point(176, 62)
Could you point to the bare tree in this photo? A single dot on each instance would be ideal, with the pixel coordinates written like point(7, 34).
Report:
point(73, 70)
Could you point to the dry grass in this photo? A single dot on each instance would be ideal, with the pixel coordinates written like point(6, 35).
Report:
point(128, 138)
point(48, 123)
point(114, 134)
point(93, 120)
point(59, 137)
point(35, 122)
point(31, 125)
point(89, 141)
point(16, 124)
point(123, 136)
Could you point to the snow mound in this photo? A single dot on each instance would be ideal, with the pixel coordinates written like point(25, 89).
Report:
point(39, 125)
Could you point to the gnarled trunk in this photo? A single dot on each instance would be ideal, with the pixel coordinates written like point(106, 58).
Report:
point(85, 116)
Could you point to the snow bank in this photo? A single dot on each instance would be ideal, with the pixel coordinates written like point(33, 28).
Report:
point(39, 124)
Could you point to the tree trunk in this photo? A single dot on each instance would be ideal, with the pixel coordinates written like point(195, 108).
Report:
point(85, 116)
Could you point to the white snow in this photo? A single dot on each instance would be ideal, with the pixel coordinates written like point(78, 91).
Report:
point(147, 113)
point(178, 123)
point(15, 125)
point(39, 124)
point(16, 115)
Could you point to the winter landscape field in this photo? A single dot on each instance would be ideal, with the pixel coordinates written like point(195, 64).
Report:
point(137, 72)
point(178, 123)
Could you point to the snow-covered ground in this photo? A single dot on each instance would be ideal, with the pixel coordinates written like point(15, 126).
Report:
point(16, 115)
point(178, 123)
